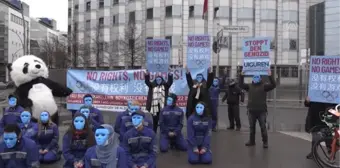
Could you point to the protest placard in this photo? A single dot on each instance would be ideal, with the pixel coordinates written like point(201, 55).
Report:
point(198, 52)
point(256, 58)
point(324, 79)
point(112, 89)
point(158, 55)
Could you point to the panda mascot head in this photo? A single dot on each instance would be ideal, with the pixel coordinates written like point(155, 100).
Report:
point(33, 88)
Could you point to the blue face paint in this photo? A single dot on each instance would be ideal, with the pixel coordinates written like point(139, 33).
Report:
point(44, 117)
point(256, 79)
point(12, 101)
point(85, 111)
point(88, 101)
point(169, 101)
point(200, 109)
point(25, 117)
point(137, 120)
point(10, 139)
point(199, 78)
point(159, 80)
point(134, 108)
point(102, 136)
point(79, 123)
point(216, 82)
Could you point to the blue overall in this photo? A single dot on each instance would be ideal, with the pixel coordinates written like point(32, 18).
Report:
point(74, 149)
point(140, 148)
point(23, 155)
point(48, 139)
point(171, 120)
point(96, 118)
point(126, 125)
point(214, 92)
point(30, 130)
point(11, 116)
point(91, 160)
point(119, 119)
point(199, 134)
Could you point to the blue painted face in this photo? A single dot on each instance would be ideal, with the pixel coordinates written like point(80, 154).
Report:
point(12, 101)
point(199, 78)
point(102, 135)
point(88, 101)
point(79, 123)
point(134, 108)
point(200, 109)
point(137, 120)
point(256, 79)
point(10, 139)
point(44, 117)
point(216, 82)
point(25, 117)
point(159, 80)
point(85, 111)
point(169, 101)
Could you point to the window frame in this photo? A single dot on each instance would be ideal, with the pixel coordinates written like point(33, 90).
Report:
point(88, 6)
point(167, 15)
point(149, 16)
point(191, 11)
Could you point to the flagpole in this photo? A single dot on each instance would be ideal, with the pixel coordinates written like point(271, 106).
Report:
point(205, 16)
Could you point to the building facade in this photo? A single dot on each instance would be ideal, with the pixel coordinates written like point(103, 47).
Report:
point(332, 27)
point(282, 20)
point(12, 41)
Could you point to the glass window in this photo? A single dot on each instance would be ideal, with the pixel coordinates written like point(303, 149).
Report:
point(169, 38)
point(115, 19)
point(268, 14)
point(273, 44)
point(88, 6)
point(168, 11)
point(76, 7)
point(101, 22)
point(291, 16)
point(88, 24)
point(101, 3)
point(245, 13)
point(115, 2)
point(69, 12)
point(75, 27)
point(149, 13)
point(216, 12)
point(292, 45)
point(132, 17)
point(149, 38)
point(284, 71)
point(191, 11)
point(295, 72)
point(69, 28)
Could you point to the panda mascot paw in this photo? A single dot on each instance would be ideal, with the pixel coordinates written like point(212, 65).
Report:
point(34, 90)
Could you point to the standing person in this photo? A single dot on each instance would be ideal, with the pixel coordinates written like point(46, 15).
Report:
point(17, 151)
point(198, 90)
point(257, 105)
point(158, 91)
point(28, 128)
point(171, 124)
point(48, 139)
point(199, 127)
point(140, 144)
point(232, 95)
point(78, 138)
point(11, 114)
point(214, 92)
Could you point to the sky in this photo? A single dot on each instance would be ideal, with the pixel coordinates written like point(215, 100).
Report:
point(53, 9)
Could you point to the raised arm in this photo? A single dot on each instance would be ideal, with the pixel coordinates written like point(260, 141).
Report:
point(58, 90)
point(242, 84)
point(170, 79)
point(189, 78)
point(271, 85)
point(147, 78)
point(210, 79)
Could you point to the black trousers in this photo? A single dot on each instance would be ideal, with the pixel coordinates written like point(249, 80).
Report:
point(234, 115)
point(155, 119)
point(253, 117)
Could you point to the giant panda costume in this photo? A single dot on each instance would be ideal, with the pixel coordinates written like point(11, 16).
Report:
point(33, 88)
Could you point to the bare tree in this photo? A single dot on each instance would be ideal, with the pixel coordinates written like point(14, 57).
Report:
point(54, 52)
point(132, 46)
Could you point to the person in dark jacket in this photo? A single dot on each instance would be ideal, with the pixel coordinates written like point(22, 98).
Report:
point(17, 151)
point(158, 92)
point(313, 123)
point(95, 117)
point(198, 91)
point(214, 92)
point(232, 95)
point(11, 114)
point(76, 141)
point(28, 128)
point(257, 105)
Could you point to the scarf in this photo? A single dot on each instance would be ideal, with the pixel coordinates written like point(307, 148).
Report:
point(108, 154)
point(158, 98)
point(198, 86)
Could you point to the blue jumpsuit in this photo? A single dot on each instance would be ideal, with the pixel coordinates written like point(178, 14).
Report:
point(140, 147)
point(48, 139)
point(171, 120)
point(96, 118)
point(91, 160)
point(126, 125)
point(23, 155)
point(74, 149)
point(199, 134)
point(30, 130)
point(119, 119)
point(11, 116)
point(214, 92)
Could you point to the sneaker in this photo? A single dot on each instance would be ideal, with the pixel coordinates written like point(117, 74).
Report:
point(214, 130)
point(238, 129)
point(265, 145)
point(230, 128)
point(250, 144)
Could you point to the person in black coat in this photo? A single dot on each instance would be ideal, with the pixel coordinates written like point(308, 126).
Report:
point(313, 123)
point(157, 94)
point(198, 90)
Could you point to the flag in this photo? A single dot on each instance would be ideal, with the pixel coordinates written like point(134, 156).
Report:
point(205, 10)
